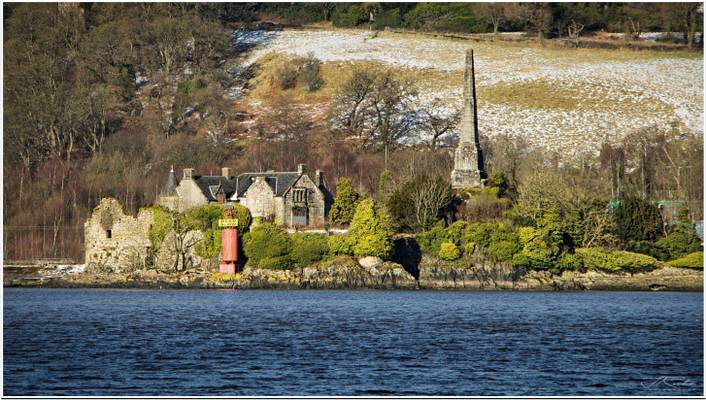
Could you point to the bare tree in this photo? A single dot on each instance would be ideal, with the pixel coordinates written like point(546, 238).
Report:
point(186, 237)
point(436, 121)
point(376, 108)
point(574, 30)
point(431, 195)
point(493, 13)
point(352, 102)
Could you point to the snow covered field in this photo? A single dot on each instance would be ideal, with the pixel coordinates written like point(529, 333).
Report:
point(608, 93)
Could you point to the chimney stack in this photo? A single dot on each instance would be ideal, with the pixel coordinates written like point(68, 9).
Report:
point(225, 171)
point(301, 168)
point(188, 173)
point(319, 180)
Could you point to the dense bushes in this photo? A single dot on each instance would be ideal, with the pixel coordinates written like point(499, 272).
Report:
point(449, 252)
point(545, 243)
point(693, 260)
point(161, 225)
point(681, 241)
point(615, 261)
point(268, 246)
point(204, 218)
point(493, 240)
point(637, 220)
point(340, 245)
point(309, 248)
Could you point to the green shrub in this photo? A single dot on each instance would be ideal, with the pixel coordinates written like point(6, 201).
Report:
point(206, 217)
point(569, 262)
point(266, 241)
point(693, 260)
point(458, 233)
point(210, 246)
point(340, 245)
point(469, 248)
point(615, 261)
point(281, 262)
point(504, 250)
point(481, 233)
point(345, 202)
point(371, 230)
point(539, 251)
point(637, 219)
point(449, 252)
point(431, 240)
point(679, 242)
point(161, 225)
point(308, 249)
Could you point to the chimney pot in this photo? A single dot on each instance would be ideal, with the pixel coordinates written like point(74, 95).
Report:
point(301, 168)
point(319, 178)
point(188, 173)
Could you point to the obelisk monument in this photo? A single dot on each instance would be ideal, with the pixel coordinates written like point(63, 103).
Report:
point(469, 170)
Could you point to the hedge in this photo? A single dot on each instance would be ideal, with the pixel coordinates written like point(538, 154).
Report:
point(615, 261)
point(692, 260)
point(340, 245)
point(264, 242)
point(309, 248)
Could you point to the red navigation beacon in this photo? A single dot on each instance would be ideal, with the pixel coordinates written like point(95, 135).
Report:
point(229, 242)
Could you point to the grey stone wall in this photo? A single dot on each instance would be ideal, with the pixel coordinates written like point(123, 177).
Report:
point(190, 195)
point(315, 202)
point(116, 242)
point(259, 199)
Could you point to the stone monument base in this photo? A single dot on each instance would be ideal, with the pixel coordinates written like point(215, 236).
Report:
point(461, 179)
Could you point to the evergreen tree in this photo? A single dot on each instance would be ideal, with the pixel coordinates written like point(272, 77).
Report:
point(345, 202)
point(371, 231)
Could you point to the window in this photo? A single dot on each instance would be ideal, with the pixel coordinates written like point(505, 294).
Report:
point(109, 233)
point(299, 195)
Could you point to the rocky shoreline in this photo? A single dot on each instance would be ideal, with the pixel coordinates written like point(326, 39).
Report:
point(346, 273)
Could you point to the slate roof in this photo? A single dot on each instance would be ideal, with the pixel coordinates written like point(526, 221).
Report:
point(280, 182)
point(209, 185)
point(170, 187)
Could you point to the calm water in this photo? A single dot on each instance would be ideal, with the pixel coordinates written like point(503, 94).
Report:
point(130, 342)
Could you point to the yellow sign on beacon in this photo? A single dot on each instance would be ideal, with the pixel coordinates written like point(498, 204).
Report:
point(228, 223)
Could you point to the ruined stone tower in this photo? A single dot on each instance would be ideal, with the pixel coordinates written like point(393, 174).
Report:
point(468, 169)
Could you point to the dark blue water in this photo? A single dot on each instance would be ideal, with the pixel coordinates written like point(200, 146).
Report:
point(125, 342)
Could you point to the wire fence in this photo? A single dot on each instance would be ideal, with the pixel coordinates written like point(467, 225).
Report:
point(30, 244)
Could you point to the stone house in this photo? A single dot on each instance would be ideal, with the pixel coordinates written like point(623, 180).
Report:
point(292, 199)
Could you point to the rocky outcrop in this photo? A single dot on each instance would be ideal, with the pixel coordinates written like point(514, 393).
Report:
point(439, 275)
point(346, 273)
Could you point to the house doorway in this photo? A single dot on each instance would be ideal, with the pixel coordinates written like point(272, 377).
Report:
point(300, 216)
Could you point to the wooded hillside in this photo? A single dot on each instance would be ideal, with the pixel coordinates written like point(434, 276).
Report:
point(101, 99)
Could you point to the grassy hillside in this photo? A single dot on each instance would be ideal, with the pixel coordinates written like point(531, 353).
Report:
point(567, 100)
